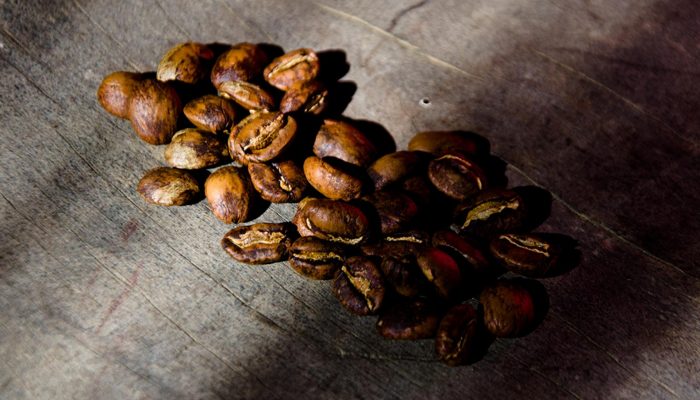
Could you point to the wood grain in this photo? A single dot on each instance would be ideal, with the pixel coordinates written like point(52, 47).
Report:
point(104, 296)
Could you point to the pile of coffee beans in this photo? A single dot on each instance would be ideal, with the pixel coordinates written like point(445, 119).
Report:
point(428, 238)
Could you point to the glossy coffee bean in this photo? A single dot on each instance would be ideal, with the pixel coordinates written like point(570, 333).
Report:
point(278, 182)
point(195, 149)
point(165, 186)
point(533, 255)
point(262, 243)
point(211, 113)
point(456, 177)
point(247, 95)
point(491, 212)
point(154, 109)
point(509, 308)
point(186, 62)
point(331, 220)
point(441, 270)
point(456, 340)
point(396, 210)
point(440, 143)
point(116, 90)
point(301, 65)
point(409, 319)
point(332, 179)
point(242, 63)
point(309, 97)
point(341, 140)
point(262, 136)
point(394, 167)
point(359, 286)
point(315, 258)
point(230, 194)
point(464, 248)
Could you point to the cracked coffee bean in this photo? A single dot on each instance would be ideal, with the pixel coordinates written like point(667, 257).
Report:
point(331, 220)
point(154, 108)
point(301, 65)
point(409, 319)
point(116, 89)
point(359, 286)
point(278, 182)
point(456, 177)
point(261, 243)
point(332, 179)
point(165, 186)
point(314, 258)
point(230, 194)
point(261, 137)
point(532, 255)
point(459, 338)
point(242, 63)
point(195, 149)
point(211, 113)
point(491, 212)
point(247, 95)
point(341, 140)
point(186, 62)
point(309, 97)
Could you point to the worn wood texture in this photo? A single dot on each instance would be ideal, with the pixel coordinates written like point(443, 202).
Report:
point(104, 296)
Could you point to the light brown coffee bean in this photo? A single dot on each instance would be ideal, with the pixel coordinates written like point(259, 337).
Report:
point(195, 149)
point(185, 62)
point(278, 182)
point(230, 194)
point(165, 186)
point(300, 65)
point(332, 179)
point(247, 95)
point(154, 108)
point(315, 258)
point(331, 220)
point(309, 97)
point(116, 90)
point(262, 137)
point(241, 63)
point(211, 113)
point(261, 243)
point(341, 140)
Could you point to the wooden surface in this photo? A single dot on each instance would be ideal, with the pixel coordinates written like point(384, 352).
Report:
point(105, 297)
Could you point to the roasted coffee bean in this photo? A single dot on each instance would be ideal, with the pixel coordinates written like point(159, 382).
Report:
point(509, 308)
point(396, 210)
point(457, 338)
point(230, 194)
point(332, 179)
point(456, 177)
point(240, 63)
point(116, 90)
point(402, 274)
point(440, 143)
point(464, 248)
point(533, 255)
point(394, 167)
point(398, 244)
point(341, 140)
point(168, 187)
point(441, 270)
point(409, 319)
point(211, 113)
point(247, 95)
point(154, 108)
point(195, 149)
point(309, 97)
point(297, 66)
point(186, 62)
point(331, 220)
point(420, 189)
point(359, 286)
point(262, 137)
point(261, 243)
point(315, 258)
point(278, 182)
point(491, 212)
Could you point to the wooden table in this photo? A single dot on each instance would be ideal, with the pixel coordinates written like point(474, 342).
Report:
point(105, 297)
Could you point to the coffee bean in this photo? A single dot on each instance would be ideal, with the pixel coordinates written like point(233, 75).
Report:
point(154, 108)
point(194, 149)
point(332, 179)
point(116, 89)
point(247, 95)
point(331, 220)
point(186, 62)
point(509, 308)
point(457, 340)
point(241, 63)
point(464, 248)
point(402, 273)
point(315, 258)
point(440, 143)
point(230, 194)
point(396, 210)
point(409, 319)
point(359, 286)
point(533, 255)
point(309, 97)
point(165, 186)
point(440, 270)
point(394, 167)
point(421, 190)
point(261, 137)
point(491, 212)
point(300, 65)
point(343, 141)
point(210, 113)
point(456, 177)
point(261, 243)
point(278, 182)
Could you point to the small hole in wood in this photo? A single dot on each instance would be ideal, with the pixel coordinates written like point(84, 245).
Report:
point(424, 102)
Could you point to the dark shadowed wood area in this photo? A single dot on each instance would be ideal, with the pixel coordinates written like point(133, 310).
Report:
point(105, 297)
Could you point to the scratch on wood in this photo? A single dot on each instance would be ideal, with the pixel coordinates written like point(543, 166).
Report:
point(30, 80)
point(404, 43)
point(19, 44)
point(117, 301)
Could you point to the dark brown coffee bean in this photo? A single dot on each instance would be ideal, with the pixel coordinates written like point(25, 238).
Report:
point(409, 320)
point(309, 97)
point(457, 338)
point(261, 243)
point(331, 220)
point(398, 244)
point(420, 189)
point(491, 212)
point(211, 113)
point(247, 95)
point(341, 140)
point(301, 65)
point(464, 248)
point(168, 187)
point(278, 182)
point(532, 255)
point(315, 258)
point(396, 210)
point(241, 63)
point(230, 194)
point(359, 286)
point(262, 137)
point(186, 62)
point(195, 149)
point(331, 179)
point(456, 177)
point(402, 274)
point(441, 270)
point(394, 167)
point(116, 90)
point(440, 143)
point(509, 308)
point(154, 108)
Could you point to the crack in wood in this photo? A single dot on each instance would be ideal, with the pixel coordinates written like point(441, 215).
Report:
point(403, 12)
